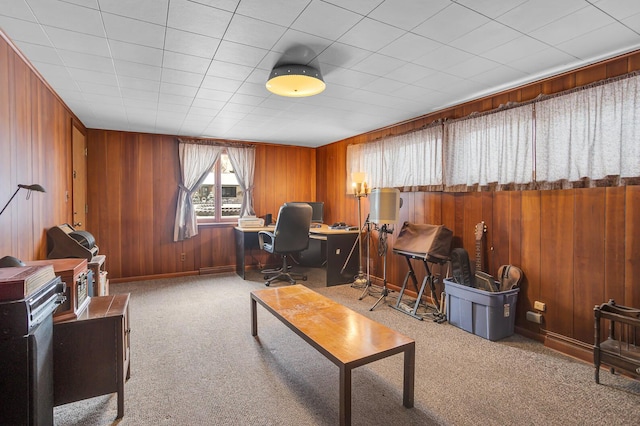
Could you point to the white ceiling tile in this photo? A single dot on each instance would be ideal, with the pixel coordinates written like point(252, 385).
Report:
point(370, 35)
point(138, 83)
point(133, 31)
point(491, 8)
point(99, 89)
point(281, 12)
point(597, 44)
point(531, 15)
point(197, 18)
point(619, 9)
point(135, 53)
point(379, 65)
point(214, 95)
point(409, 73)
point(633, 22)
point(384, 85)
point(502, 76)
point(24, 31)
point(77, 42)
point(476, 65)
point(40, 53)
point(342, 55)
point(407, 14)
point(410, 46)
point(228, 5)
point(182, 77)
point(572, 26)
point(219, 83)
point(443, 58)
point(154, 11)
point(440, 27)
point(362, 7)
point(190, 43)
point(210, 104)
point(132, 69)
point(54, 13)
point(239, 54)
point(314, 19)
point(349, 78)
point(129, 93)
point(16, 9)
point(170, 99)
point(178, 61)
point(299, 46)
point(230, 71)
point(177, 89)
point(85, 61)
point(94, 77)
point(543, 63)
point(515, 49)
point(486, 37)
point(252, 32)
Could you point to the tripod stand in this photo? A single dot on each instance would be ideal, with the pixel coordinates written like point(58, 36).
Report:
point(382, 251)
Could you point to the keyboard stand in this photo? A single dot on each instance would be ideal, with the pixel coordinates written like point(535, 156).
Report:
point(429, 280)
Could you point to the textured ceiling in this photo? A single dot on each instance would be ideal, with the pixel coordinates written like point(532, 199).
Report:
point(198, 68)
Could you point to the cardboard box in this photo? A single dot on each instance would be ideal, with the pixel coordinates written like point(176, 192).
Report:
point(490, 315)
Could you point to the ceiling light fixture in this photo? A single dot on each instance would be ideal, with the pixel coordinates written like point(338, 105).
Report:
point(295, 81)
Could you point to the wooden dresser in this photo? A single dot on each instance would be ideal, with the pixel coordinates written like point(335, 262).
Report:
point(91, 352)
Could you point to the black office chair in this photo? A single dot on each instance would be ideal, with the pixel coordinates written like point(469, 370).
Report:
point(290, 236)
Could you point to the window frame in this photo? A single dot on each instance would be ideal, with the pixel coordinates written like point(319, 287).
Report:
point(217, 218)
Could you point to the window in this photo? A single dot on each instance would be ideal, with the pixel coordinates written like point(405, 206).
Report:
point(219, 197)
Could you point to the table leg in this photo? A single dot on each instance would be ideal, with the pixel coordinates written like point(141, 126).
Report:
point(345, 395)
point(254, 317)
point(409, 375)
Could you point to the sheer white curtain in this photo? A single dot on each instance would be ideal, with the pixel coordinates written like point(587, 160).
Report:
point(491, 149)
point(410, 160)
point(589, 134)
point(196, 161)
point(243, 160)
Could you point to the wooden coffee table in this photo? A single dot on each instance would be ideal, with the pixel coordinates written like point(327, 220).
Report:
point(345, 337)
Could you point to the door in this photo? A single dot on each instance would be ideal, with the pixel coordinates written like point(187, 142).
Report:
point(79, 148)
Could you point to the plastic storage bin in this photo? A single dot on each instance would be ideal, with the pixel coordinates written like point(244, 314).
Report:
point(483, 313)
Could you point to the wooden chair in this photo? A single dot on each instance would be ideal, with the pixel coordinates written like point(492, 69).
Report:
point(620, 349)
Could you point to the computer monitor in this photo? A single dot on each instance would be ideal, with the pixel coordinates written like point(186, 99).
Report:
point(317, 207)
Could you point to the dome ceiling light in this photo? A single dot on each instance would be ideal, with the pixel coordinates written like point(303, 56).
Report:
point(295, 81)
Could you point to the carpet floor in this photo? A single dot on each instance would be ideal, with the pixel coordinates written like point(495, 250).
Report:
point(194, 362)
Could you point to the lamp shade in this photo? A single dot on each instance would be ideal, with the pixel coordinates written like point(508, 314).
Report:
point(385, 206)
point(295, 81)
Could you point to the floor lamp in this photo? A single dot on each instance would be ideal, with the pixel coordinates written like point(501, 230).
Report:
point(359, 191)
point(34, 187)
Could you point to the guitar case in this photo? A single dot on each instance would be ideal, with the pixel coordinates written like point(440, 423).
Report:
point(509, 277)
point(461, 268)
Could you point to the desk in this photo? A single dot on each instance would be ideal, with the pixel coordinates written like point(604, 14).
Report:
point(334, 246)
point(345, 337)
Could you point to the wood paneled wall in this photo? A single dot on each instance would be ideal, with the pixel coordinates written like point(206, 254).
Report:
point(577, 248)
point(35, 135)
point(133, 187)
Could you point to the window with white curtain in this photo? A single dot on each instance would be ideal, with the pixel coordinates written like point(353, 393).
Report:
point(583, 135)
point(589, 134)
point(410, 160)
point(493, 148)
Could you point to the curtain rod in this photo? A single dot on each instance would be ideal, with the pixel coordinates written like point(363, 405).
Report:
point(215, 142)
point(543, 97)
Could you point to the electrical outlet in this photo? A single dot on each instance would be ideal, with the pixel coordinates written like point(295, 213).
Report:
point(183, 257)
point(539, 306)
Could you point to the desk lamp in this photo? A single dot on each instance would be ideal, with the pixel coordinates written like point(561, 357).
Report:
point(34, 187)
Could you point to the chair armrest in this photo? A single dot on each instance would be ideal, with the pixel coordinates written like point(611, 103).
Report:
point(261, 235)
